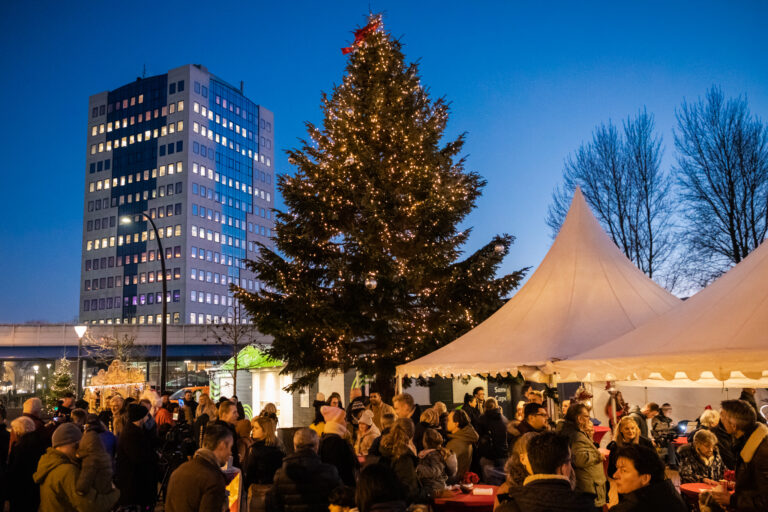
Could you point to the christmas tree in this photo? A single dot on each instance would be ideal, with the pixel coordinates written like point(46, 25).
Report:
point(367, 272)
point(61, 383)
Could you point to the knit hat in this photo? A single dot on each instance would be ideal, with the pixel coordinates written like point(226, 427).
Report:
point(366, 417)
point(333, 414)
point(136, 412)
point(356, 405)
point(66, 433)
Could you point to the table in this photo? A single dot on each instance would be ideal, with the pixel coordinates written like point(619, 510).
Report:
point(600, 431)
point(463, 502)
point(680, 441)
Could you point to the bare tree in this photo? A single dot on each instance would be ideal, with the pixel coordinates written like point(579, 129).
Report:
point(619, 174)
point(106, 349)
point(237, 332)
point(722, 174)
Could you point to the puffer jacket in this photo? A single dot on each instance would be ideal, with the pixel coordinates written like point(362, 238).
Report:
point(302, 484)
point(57, 474)
point(462, 444)
point(364, 441)
point(544, 493)
point(752, 471)
point(262, 463)
point(434, 469)
point(96, 470)
point(587, 463)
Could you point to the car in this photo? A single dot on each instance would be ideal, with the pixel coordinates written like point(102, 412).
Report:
point(196, 392)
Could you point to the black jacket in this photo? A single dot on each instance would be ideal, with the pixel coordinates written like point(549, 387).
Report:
point(262, 463)
point(418, 435)
point(655, 497)
point(23, 492)
point(750, 399)
point(336, 451)
point(725, 446)
point(642, 422)
point(404, 468)
point(493, 435)
point(302, 484)
point(374, 450)
point(136, 467)
point(197, 485)
point(752, 471)
point(544, 493)
point(235, 437)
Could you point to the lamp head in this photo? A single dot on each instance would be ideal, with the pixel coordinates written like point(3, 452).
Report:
point(126, 220)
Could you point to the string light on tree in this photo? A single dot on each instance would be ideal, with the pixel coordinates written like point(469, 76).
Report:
point(377, 193)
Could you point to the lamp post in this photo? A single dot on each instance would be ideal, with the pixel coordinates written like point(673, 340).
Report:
point(80, 330)
point(35, 368)
point(164, 324)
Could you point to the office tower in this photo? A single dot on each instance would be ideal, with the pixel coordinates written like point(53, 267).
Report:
point(193, 153)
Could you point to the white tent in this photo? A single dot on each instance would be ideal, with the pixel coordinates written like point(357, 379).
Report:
point(584, 293)
point(718, 337)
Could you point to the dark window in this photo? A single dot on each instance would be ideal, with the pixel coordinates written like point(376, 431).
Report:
point(162, 150)
point(204, 91)
point(170, 148)
point(151, 298)
point(111, 261)
point(94, 304)
point(93, 168)
point(110, 282)
point(177, 251)
point(106, 164)
point(203, 150)
point(169, 210)
point(195, 147)
point(86, 305)
point(109, 302)
point(114, 201)
point(176, 295)
point(87, 285)
point(98, 205)
point(97, 224)
point(178, 188)
point(112, 222)
point(169, 189)
point(95, 111)
point(181, 85)
point(197, 87)
point(194, 188)
point(89, 225)
point(99, 166)
point(177, 209)
point(179, 146)
point(87, 265)
point(102, 303)
point(172, 88)
point(101, 110)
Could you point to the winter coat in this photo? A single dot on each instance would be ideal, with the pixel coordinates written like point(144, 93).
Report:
point(725, 446)
point(516, 430)
point(462, 444)
point(190, 408)
point(375, 445)
point(198, 429)
point(56, 474)
point(473, 413)
point(544, 493)
point(380, 411)
point(642, 422)
point(262, 463)
point(96, 465)
point(694, 469)
point(335, 450)
point(136, 467)
point(23, 458)
point(655, 497)
point(492, 430)
point(587, 463)
point(235, 438)
point(418, 434)
point(364, 442)
point(197, 485)
point(434, 469)
point(404, 468)
point(613, 447)
point(752, 471)
point(302, 484)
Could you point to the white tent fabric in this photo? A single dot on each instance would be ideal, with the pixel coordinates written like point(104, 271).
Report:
point(719, 334)
point(584, 293)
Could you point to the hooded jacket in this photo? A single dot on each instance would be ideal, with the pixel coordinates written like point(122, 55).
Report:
point(197, 485)
point(462, 443)
point(587, 462)
point(364, 441)
point(136, 467)
point(96, 471)
point(492, 430)
point(434, 469)
point(262, 463)
point(57, 474)
point(655, 497)
point(302, 484)
point(752, 471)
point(544, 493)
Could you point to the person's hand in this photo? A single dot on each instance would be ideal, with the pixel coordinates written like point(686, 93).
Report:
point(711, 482)
point(721, 498)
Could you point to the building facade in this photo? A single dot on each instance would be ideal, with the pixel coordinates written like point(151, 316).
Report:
point(193, 153)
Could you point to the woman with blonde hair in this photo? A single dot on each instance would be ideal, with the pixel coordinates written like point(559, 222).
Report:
point(517, 466)
point(428, 419)
point(264, 458)
point(205, 413)
point(626, 432)
point(397, 452)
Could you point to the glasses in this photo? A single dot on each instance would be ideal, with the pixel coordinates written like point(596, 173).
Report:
point(542, 414)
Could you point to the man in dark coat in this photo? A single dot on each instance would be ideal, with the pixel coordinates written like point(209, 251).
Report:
point(725, 445)
point(199, 484)
point(748, 395)
point(492, 447)
point(751, 446)
point(535, 419)
point(136, 464)
point(548, 489)
point(228, 417)
point(643, 417)
point(304, 482)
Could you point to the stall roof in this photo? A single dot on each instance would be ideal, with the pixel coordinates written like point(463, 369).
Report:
point(584, 293)
point(250, 358)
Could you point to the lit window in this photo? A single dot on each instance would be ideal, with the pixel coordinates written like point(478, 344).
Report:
point(195, 127)
point(179, 167)
point(101, 147)
point(94, 130)
point(125, 123)
point(93, 149)
point(172, 128)
point(131, 139)
point(147, 134)
point(164, 131)
point(180, 126)
point(204, 111)
point(141, 98)
point(162, 172)
point(172, 108)
point(133, 100)
point(109, 126)
point(195, 106)
point(165, 110)
point(124, 141)
point(194, 233)
point(210, 115)
point(139, 137)
point(89, 245)
point(180, 105)
point(109, 145)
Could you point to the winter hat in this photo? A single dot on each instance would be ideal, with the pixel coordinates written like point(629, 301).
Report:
point(136, 412)
point(67, 433)
point(333, 414)
point(357, 405)
point(366, 417)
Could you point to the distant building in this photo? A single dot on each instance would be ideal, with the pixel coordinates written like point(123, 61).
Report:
point(196, 155)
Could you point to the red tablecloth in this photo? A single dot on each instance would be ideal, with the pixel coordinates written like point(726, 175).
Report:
point(680, 441)
point(460, 501)
point(600, 431)
point(694, 489)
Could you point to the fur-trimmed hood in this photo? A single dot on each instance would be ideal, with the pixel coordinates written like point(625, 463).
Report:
point(755, 438)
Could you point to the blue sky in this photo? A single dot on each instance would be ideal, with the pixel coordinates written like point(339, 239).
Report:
point(528, 81)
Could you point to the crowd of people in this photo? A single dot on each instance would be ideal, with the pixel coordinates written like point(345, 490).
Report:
point(372, 456)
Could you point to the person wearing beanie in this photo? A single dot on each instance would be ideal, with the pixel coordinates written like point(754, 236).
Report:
point(57, 474)
point(136, 473)
point(334, 448)
point(366, 433)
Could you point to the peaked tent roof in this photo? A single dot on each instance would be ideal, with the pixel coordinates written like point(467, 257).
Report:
point(719, 334)
point(584, 293)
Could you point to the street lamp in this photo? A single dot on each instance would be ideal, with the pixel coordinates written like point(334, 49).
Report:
point(37, 386)
point(164, 324)
point(80, 330)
